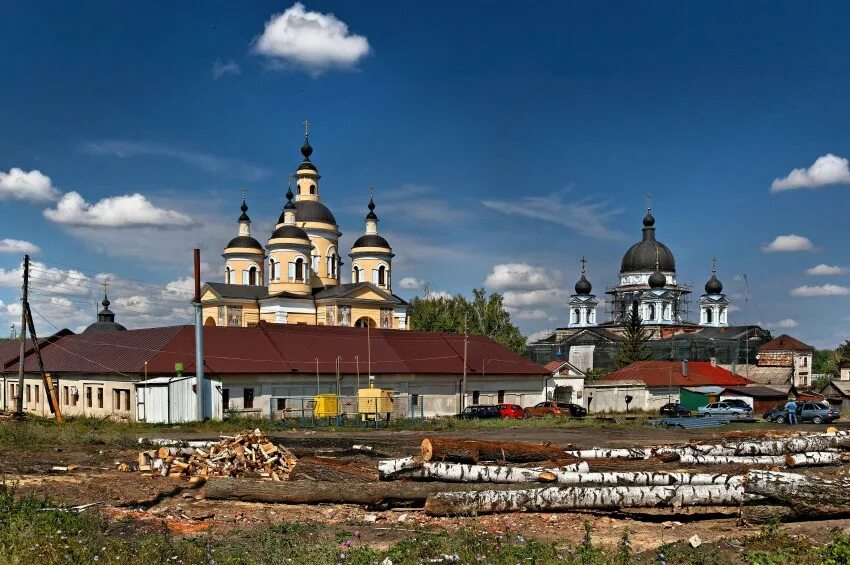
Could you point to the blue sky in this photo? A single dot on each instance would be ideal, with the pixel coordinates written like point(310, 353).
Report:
point(523, 134)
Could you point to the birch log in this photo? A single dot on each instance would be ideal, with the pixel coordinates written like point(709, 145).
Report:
point(814, 459)
point(572, 498)
point(799, 492)
point(468, 473)
point(644, 478)
point(597, 453)
point(732, 459)
point(472, 451)
point(776, 446)
point(391, 468)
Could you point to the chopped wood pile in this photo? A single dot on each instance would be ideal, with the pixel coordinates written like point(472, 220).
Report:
point(247, 454)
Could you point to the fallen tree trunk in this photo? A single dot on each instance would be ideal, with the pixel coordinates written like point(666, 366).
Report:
point(317, 468)
point(777, 446)
point(371, 495)
point(644, 478)
point(732, 459)
point(800, 492)
point(814, 459)
point(764, 514)
point(570, 498)
point(621, 453)
point(472, 451)
point(391, 468)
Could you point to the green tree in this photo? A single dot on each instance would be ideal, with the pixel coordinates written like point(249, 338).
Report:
point(634, 346)
point(485, 315)
point(820, 360)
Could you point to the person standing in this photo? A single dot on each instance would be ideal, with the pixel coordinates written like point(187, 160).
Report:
point(791, 407)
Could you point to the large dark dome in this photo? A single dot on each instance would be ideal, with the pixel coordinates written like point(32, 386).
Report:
point(641, 257)
point(313, 211)
point(583, 286)
point(290, 232)
point(245, 241)
point(104, 327)
point(713, 286)
point(370, 240)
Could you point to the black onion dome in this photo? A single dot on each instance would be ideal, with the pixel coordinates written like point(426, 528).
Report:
point(290, 232)
point(648, 220)
point(306, 149)
point(289, 204)
point(313, 211)
point(713, 286)
point(370, 240)
point(245, 241)
point(371, 215)
point(657, 279)
point(244, 217)
point(583, 285)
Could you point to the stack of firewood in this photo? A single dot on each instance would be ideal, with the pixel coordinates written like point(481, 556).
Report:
point(248, 454)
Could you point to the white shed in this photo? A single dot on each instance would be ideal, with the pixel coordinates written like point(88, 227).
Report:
point(172, 400)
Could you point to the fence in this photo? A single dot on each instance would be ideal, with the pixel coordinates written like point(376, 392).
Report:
point(340, 411)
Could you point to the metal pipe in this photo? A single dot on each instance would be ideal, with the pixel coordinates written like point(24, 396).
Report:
point(200, 392)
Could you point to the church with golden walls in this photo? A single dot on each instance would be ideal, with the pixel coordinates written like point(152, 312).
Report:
point(296, 277)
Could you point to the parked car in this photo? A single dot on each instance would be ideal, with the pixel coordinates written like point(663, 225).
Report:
point(674, 409)
point(724, 409)
point(481, 412)
point(514, 411)
point(737, 402)
point(556, 409)
point(813, 412)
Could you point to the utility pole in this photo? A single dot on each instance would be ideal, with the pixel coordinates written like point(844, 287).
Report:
point(24, 301)
point(463, 382)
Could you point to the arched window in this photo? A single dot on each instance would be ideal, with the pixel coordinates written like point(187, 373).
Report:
point(332, 263)
point(575, 315)
point(709, 316)
point(355, 274)
point(228, 275)
point(252, 276)
point(312, 189)
point(272, 270)
point(382, 276)
point(651, 313)
point(364, 322)
point(299, 269)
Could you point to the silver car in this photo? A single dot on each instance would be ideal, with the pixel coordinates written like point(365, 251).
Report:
point(724, 409)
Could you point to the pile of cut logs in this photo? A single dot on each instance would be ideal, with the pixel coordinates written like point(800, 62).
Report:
point(248, 454)
point(452, 477)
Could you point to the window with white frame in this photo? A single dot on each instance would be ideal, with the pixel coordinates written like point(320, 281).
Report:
point(228, 275)
point(273, 274)
point(298, 271)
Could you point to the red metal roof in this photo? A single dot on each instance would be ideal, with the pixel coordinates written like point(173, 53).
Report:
point(281, 348)
point(785, 342)
point(555, 365)
point(664, 373)
point(103, 352)
point(10, 349)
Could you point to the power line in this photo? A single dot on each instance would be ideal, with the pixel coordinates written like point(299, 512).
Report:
point(97, 272)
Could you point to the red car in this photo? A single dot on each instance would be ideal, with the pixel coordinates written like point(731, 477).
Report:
point(514, 411)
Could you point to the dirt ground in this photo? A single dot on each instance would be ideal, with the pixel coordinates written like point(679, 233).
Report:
point(172, 503)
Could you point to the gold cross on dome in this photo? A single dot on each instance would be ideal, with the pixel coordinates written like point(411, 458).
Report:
point(306, 125)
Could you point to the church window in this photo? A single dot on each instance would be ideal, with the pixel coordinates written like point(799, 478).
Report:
point(298, 275)
point(272, 270)
point(312, 189)
point(575, 315)
point(332, 261)
point(355, 274)
point(252, 276)
point(382, 276)
point(228, 275)
point(709, 316)
point(651, 312)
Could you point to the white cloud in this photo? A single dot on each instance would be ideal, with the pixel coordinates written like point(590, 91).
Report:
point(536, 314)
point(827, 169)
point(437, 294)
point(211, 163)
point(34, 186)
point(787, 323)
point(788, 243)
point(411, 283)
point(18, 246)
point(127, 211)
point(823, 290)
point(824, 269)
point(734, 308)
point(312, 40)
point(538, 335)
point(539, 297)
point(222, 68)
point(520, 276)
point(585, 216)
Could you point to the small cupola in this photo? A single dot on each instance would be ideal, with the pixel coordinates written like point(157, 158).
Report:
point(105, 320)
point(583, 286)
point(657, 280)
point(713, 286)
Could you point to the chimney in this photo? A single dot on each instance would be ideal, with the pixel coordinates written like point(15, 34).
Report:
point(684, 367)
